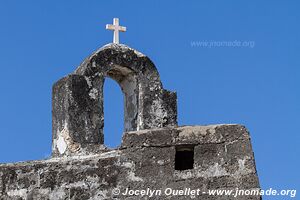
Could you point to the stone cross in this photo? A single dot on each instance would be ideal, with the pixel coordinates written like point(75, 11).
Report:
point(116, 28)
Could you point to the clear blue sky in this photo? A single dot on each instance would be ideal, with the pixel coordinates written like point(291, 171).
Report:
point(40, 42)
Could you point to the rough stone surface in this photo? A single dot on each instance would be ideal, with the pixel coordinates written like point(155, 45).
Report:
point(82, 168)
point(77, 103)
point(223, 158)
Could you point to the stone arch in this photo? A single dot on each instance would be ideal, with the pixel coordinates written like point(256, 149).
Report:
point(78, 117)
point(128, 82)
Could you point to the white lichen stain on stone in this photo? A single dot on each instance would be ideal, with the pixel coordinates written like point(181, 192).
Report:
point(80, 184)
point(88, 81)
point(186, 174)
point(127, 165)
point(94, 64)
point(243, 170)
point(158, 112)
point(93, 93)
point(161, 162)
point(131, 176)
point(44, 191)
point(214, 171)
point(57, 194)
point(228, 143)
point(66, 140)
point(17, 193)
point(61, 145)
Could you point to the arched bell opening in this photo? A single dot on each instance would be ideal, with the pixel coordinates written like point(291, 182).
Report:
point(128, 83)
point(113, 111)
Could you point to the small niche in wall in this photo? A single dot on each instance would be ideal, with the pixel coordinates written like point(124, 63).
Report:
point(184, 157)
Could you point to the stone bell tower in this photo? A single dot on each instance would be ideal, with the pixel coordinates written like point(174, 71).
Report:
point(78, 99)
point(157, 158)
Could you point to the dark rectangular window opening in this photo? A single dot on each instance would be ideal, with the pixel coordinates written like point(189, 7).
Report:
point(184, 158)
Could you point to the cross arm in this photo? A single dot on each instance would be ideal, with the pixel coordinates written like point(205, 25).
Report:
point(110, 26)
point(122, 28)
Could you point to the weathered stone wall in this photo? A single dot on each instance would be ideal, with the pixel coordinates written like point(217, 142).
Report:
point(223, 158)
point(77, 102)
point(155, 154)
